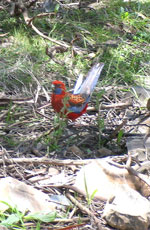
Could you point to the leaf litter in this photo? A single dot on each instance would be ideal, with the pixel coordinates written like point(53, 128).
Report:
point(28, 154)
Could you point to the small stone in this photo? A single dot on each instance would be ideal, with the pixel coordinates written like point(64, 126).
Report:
point(128, 210)
point(75, 150)
point(105, 152)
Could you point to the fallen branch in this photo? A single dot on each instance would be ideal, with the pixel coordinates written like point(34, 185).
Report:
point(19, 8)
point(85, 209)
point(116, 105)
point(3, 35)
point(47, 161)
point(30, 20)
point(5, 101)
point(48, 38)
point(72, 220)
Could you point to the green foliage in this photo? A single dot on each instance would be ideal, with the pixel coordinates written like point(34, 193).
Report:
point(46, 218)
point(89, 197)
point(120, 135)
point(52, 140)
point(122, 64)
point(8, 23)
point(14, 219)
point(9, 117)
point(11, 217)
point(10, 141)
point(100, 121)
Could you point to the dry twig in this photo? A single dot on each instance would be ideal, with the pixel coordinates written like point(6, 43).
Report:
point(85, 209)
point(47, 161)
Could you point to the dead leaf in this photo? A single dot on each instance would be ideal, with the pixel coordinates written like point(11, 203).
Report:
point(23, 196)
point(106, 179)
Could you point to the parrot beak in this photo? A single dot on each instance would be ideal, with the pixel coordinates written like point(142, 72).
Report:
point(53, 86)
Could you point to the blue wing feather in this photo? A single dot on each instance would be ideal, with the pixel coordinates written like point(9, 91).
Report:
point(78, 84)
point(90, 82)
point(76, 109)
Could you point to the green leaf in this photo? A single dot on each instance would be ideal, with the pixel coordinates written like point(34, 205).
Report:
point(12, 219)
point(86, 189)
point(57, 8)
point(93, 194)
point(120, 135)
point(42, 217)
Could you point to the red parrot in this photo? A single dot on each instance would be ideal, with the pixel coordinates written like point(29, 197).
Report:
point(74, 104)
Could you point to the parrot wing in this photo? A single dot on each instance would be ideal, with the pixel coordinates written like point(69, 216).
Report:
point(75, 103)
